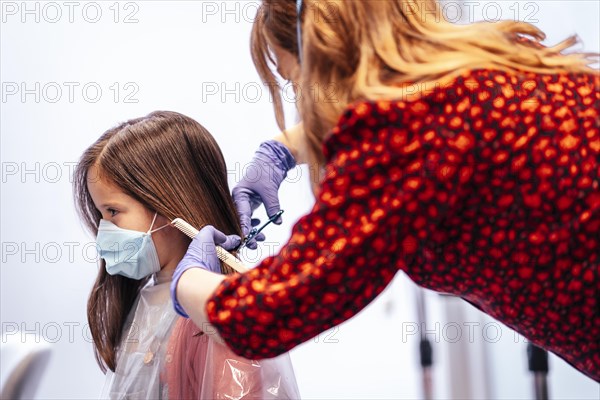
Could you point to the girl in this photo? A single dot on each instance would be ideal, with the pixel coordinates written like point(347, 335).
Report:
point(128, 186)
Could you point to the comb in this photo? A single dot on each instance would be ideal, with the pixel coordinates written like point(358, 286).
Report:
point(223, 254)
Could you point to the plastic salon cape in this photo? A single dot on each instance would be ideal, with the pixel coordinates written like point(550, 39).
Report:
point(164, 356)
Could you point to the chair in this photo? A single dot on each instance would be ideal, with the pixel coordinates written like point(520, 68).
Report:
point(22, 365)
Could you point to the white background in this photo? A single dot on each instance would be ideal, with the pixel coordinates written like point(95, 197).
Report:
point(171, 56)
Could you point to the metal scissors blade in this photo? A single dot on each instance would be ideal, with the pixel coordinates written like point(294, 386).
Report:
point(254, 232)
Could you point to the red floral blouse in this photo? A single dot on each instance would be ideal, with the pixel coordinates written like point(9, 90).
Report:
point(487, 188)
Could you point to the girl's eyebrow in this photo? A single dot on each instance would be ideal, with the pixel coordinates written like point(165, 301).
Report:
point(110, 204)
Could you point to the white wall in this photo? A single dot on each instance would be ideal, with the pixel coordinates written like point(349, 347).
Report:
point(172, 55)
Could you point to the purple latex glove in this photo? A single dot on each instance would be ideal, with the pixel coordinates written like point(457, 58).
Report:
point(202, 254)
point(260, 184)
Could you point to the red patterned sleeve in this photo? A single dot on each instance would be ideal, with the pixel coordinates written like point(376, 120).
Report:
point(382, 181)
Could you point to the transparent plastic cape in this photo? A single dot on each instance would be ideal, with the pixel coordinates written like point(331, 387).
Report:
point(164, 356)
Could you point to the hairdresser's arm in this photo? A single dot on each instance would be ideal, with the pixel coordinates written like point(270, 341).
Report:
point(293, 139)
point(362, 229)
point(195, 286)
point(264, 175)
point(198, 274)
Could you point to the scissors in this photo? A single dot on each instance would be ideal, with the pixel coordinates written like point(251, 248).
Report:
point(256, 231)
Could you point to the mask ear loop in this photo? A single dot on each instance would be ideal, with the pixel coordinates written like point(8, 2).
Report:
point(152, 224)
point(150, 231)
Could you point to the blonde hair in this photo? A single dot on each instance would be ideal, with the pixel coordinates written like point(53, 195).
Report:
point(371, 49)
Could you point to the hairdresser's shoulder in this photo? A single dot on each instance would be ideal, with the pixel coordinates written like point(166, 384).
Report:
point(415, 100)
point(416, 106)
point(471, 99)
point(483, 87)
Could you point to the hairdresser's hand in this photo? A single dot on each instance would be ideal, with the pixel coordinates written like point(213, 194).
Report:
point(202, 253)
point(260, 184)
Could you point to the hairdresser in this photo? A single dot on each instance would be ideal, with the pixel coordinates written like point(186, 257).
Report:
point(466, 156)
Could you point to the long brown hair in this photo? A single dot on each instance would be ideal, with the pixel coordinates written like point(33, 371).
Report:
point(170, 164)
point(368, 49)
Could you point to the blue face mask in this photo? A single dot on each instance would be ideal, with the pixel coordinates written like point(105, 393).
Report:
point(128, 253)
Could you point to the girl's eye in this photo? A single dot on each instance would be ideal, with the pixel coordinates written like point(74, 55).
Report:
point(112, 212)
